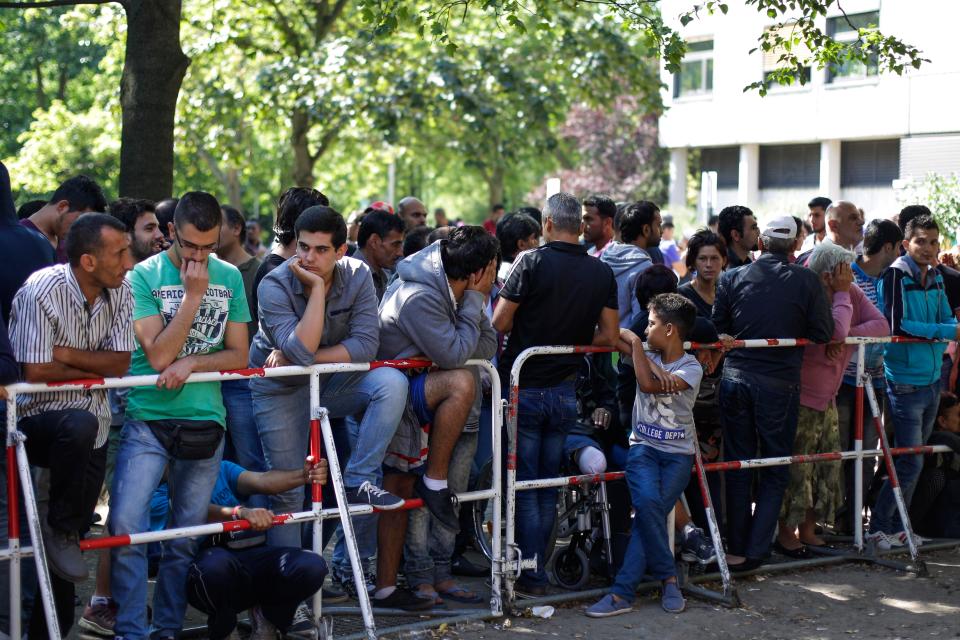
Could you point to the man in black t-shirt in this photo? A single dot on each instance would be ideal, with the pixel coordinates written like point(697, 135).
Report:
point(555, 295)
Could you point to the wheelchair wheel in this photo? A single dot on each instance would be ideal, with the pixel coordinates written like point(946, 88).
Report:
point(571, 567)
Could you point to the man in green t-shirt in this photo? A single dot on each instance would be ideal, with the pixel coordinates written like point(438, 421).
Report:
point(190, 315)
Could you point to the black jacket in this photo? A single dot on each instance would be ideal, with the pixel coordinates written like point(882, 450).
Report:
point(771, 298)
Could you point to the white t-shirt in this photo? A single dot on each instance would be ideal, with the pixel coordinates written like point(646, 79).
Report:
point(665, 421)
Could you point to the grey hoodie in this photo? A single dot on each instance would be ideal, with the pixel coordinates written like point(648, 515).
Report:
point(628, 261)
point(419, 316)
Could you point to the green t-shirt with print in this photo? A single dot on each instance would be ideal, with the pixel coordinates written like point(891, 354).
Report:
point(158, 290)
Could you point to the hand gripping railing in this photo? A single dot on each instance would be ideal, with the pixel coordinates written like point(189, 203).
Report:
point(513, 563)
point(319, 428)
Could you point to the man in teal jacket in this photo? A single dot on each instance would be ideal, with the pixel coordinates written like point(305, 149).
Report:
point(913, 299)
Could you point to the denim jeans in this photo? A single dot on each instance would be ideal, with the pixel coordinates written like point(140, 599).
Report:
point(759, 417)
point(913, 411)
point(283, 420)
point(141, 462)
point(364, 527)
point(656, 479)
point(429, 545)
point(544, 417)
point(243, 442)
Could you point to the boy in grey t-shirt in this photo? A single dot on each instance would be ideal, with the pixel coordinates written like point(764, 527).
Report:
point(661, 450)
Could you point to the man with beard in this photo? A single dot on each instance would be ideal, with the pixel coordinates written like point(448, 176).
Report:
point(140, 218)
point(380, 245)
point(739, 229)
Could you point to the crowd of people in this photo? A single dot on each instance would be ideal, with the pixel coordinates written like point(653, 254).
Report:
point(133, 287)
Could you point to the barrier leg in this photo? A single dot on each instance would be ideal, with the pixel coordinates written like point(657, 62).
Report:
point(13, 540)
point(496, 544)
point(512, 557)
point(33, 520)
point(346, 522)
point(316, 496)
point(920, 567)
point(858, 448)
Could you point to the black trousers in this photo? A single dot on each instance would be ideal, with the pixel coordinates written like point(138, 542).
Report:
point(223, 582)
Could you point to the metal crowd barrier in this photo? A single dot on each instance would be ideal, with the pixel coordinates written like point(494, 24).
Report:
point(507, 563)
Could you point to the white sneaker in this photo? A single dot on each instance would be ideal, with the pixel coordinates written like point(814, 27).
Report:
point(260, 627)
point(883, 542)
point(918, 540)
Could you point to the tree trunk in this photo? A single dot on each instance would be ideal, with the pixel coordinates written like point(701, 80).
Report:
point(302, 160)
point(153, 70)
point(495, 185)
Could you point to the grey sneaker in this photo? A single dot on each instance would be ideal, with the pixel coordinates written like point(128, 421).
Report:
point(302, 627)
point(63, 553)
point(697, 547)
point(369, 493)
point(99, 619)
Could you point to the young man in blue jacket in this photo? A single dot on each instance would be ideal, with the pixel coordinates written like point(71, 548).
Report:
point(912, 296)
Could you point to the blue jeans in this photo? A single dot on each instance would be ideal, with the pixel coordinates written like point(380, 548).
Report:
point(656, 479)
point(913, 410)
point(543, 418)
point(759, 416)
point(283, 420)
point(141, 462)
point(364, 527)
point(429, 546)
point(243, 441)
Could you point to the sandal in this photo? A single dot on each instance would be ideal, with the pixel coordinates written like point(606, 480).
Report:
point(459, 594)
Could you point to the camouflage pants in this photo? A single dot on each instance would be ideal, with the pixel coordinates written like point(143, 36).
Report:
point(814, 485)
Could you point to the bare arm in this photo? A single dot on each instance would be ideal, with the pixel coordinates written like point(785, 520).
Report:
point(54, 372)
point(232, 356)
point(503, 315)
point(608, 331)
point(109, 364)
point(276, 481)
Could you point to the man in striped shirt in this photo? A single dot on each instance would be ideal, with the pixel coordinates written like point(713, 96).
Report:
point(70, 322)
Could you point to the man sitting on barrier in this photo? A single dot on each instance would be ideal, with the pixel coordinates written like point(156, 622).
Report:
point(190, 315)
point(911, 294)
point(555, 295)
point(238, 571)
point(434, 310)
point(815, 492)
point(69, 322)
point(661, 452)
point(321, 307)
point(760, 389)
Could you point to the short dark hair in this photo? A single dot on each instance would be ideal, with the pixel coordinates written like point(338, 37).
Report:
point(322, 219)
point(699, 240)
point(820, 201)
point(604, 205)
point(653, 281)
point(198, 208)
point(947, 401)
point(878, 233)
point(294, 202)
point(635, 217)
point(713, 219)
point(511, 229)
point(235, 219)
point(925, 222)
point(164, 210)
point(731, 218)
point(497, 207)
point(129, 210)
point(621, 207)
point(534, 213)
point(910, 212)
point(378, 222)
point(468, 249)
point(82, 193)
point(676, 310)
point(86, 235)
point(416, 240)
point(29, 208)
point(440, 233)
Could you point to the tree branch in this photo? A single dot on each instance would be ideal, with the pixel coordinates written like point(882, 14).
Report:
point(39, 4)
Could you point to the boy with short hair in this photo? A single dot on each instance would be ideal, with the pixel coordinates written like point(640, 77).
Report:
point(661, 450)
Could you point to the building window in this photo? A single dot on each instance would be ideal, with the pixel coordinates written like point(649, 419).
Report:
point(789, 165)
point(725, 161)
point(869, 163)
point(696, 71)
point(846, 29)
point(771, 58)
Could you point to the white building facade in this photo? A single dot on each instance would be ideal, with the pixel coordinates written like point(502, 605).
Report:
point(850, 133)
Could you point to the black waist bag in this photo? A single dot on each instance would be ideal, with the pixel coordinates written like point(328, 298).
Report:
point(188, 439)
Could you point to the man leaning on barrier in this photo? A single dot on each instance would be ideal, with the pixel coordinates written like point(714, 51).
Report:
point(70, 322)
point(190, 315)
point(760, 389)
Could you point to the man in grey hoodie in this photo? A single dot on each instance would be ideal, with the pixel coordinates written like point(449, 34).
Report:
point(639, 231)
point(434, 310)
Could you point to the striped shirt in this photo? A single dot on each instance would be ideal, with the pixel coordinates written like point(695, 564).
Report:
point(51, 311)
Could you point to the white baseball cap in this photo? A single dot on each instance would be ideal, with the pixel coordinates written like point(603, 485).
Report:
point(780, 227)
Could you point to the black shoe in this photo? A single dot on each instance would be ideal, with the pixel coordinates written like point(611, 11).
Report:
point(461, 566)
point(529, 591)
point(333, 594)
point(747, 565)
point(402, 599)
point(800, 553)
point(440, 504)
point(63, 553)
